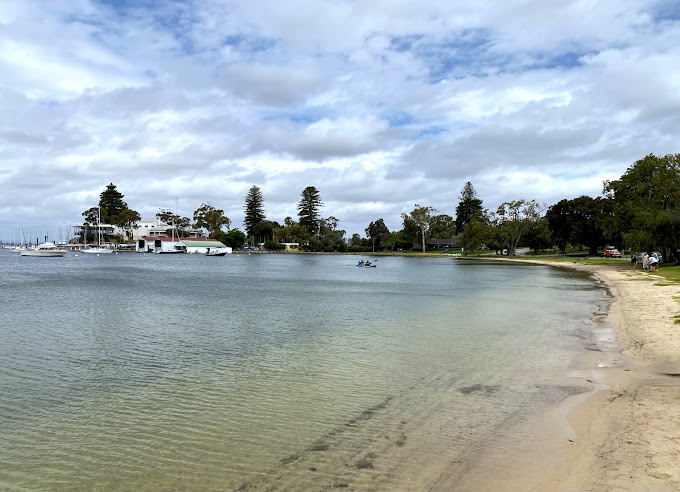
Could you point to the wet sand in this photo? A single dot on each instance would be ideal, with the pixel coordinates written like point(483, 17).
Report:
point(625, 434)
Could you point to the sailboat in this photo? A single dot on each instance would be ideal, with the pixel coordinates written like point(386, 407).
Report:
point(98, 249)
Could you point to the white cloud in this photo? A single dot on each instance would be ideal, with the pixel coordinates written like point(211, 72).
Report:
point(380, 104)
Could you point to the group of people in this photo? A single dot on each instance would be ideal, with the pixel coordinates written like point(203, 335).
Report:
point(364, 263)
point(650, 261)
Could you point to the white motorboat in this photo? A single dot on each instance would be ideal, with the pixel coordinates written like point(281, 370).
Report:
point(216, 252)
point(44, 249)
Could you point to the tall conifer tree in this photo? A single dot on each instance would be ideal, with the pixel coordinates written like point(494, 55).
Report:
point(254, 207)
point(469, 206)
point(308, 209)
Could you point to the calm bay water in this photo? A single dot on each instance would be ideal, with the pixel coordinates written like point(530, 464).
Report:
point(274, 372)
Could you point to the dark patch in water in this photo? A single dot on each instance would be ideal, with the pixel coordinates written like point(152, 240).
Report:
point(479, 388)
point(290, 459)
point(319, 446)
point(672, 374)
point(364, 464)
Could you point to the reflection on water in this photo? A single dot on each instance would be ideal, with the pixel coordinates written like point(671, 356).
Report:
point(273, 371)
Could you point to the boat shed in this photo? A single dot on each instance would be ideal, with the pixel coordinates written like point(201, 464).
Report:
point(149, 244)
point(201, 246)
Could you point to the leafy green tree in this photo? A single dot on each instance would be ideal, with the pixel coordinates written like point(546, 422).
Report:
point(469, 206)
point(330, 235)
point(288, 221)
point(377, 232)
point(111, 203)
point(443, 227)
point(266, 230)
point(127, 219)
point(254, 210)
point(586, 219)
point(211, 218)
point(421, 217)
point(398, 240)
point(538, 236)
point(309, 209)
point(91, 216)
point(356, 239)
point(646, 204)
point(294, 234)
point(475, 233)
point(560, 223)
point(181, 224)
point(273, 245)
point(234, 238)
point(512, 220)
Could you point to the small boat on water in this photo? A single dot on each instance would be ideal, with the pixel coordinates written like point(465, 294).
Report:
point(96, 250)
point(216, 252)
point(366, 264)
point(44, 249)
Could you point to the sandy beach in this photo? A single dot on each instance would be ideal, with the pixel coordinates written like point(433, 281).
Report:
point(626, 434)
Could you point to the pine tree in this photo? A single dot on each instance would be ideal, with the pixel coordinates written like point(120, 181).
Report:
point(254, 207)
point(469, 207)
point(308, 209)
point(111, 203)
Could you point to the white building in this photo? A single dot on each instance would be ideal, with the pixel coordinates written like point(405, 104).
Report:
point(155, 227)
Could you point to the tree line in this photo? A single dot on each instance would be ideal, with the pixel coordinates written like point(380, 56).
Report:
point(639, 211)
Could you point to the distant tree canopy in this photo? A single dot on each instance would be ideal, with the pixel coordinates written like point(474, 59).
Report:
point(265, 230)
point(421, 217)
point(112, 209)
point(377, 232)
point(167, 217)
point(512, 220)
point(646, 205)
point(211, 218)
point(309, 210)
point(254, 210)
point(639, 211)
point(234, 238)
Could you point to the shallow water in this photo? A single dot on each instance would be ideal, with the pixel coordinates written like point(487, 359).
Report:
point(274, 372)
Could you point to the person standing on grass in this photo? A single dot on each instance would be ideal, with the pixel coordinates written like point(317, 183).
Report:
point(645, 261)
point(633, 260)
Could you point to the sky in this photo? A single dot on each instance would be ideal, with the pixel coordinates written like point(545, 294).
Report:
point(379, 104)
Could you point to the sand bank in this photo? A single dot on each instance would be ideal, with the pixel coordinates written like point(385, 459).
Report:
point(626, 435)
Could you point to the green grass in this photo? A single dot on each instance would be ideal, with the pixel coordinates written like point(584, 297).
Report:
point(670, 274)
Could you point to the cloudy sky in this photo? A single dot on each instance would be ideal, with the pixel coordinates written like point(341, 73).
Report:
point(379, 104)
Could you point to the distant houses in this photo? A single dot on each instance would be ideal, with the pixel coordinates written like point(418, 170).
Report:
point(156, 228)
point(153, 227)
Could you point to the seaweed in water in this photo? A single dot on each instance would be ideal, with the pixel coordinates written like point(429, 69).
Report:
point(479, 388)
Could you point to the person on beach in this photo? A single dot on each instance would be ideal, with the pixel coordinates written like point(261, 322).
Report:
point(645, 262)
point(633, 259)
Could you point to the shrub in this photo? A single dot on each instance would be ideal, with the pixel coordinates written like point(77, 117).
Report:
point(269, 244)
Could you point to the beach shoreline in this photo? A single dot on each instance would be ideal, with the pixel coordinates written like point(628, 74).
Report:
point(626, 431)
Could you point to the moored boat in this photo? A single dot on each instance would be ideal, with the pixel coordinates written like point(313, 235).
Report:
point(44, 249)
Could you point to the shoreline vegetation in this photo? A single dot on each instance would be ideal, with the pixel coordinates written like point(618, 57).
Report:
point(626, 431)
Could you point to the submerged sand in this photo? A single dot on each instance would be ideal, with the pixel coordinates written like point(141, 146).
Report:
point(624, 435)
